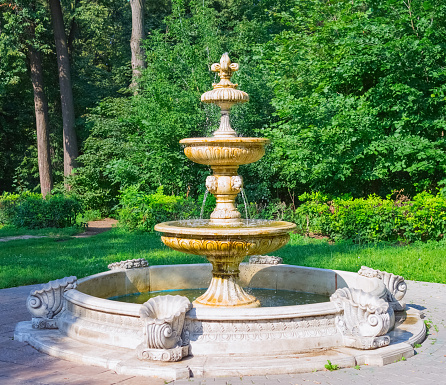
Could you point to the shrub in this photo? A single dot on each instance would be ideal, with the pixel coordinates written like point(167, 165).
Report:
point(31, 211)
point(373, 218)
point(141, 211)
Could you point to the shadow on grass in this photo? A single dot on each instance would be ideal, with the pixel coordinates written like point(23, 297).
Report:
point(24, 262)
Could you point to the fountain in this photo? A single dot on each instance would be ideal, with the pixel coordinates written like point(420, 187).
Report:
point(224, 331)
point(225, 239)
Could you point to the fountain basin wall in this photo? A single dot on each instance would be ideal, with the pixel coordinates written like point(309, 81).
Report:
point(90, 317)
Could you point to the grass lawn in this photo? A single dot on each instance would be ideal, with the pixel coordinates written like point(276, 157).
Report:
point(24, 262)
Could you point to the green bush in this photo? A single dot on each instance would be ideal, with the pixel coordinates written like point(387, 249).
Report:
point(373, 218)
point(141, 211)
point(31, 211)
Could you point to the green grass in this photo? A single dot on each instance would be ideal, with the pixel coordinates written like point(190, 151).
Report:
point(24, 262)
point(8, 231)
point(419, 261)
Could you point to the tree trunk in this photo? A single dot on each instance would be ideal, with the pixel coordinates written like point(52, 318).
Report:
point(41, 110)
point(66, 92)
point(135, 41)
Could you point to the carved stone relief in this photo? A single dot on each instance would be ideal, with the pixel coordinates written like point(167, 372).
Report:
point(265, 260)
point(218, 331)
point(395, 285)
point(363, 319)
point(163, 320)
point(46, 303)
point(129, 264)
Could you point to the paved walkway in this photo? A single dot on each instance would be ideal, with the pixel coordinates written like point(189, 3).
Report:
point(21, 364)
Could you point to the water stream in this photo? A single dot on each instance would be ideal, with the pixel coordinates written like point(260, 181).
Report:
point(204, 202)
point(245, 201)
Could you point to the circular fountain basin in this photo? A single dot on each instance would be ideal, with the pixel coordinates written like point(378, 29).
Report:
point(90, 317)
point(224, 151)
point(223, 342)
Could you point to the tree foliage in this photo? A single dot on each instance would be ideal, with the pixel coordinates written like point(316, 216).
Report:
point(352, 94)
point(359, 90)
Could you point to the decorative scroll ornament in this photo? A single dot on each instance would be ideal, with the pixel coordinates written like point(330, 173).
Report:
point(46, 303)
point(265, 260)
point(129, 264)
point(163, 319)
point(395, 285)
point(364, 318)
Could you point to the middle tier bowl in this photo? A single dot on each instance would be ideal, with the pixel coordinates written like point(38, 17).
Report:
point(231, 151)
point(225, 248)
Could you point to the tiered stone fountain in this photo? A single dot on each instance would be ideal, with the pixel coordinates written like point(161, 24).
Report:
point(225, 239)
point(224, 332)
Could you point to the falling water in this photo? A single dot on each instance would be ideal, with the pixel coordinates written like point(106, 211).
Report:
point(245, 201)
point(202, 205)
point(212, 113)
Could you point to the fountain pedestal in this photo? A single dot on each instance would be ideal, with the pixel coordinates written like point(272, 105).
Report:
point(224, 289)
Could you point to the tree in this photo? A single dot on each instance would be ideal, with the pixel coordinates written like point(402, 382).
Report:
point(137, 35)
point(23, 22)
point(134, 141)
point(42, 124)
point(66, 92)
point(360, 97)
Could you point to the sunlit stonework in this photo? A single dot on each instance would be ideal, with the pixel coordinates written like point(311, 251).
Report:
point(227, 238)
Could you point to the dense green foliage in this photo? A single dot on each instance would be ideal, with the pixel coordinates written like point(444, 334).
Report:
point(140, 211)
point(373, 219)
point(24, 262)
point(31, 211)
point(135, 140)
point(359, 90)
point(98, 34)
point(352, 95)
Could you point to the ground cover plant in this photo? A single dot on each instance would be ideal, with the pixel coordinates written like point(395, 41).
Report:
point(24, 262)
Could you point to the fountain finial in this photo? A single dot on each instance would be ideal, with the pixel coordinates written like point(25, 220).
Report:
point(225, 94)
point(225, 69)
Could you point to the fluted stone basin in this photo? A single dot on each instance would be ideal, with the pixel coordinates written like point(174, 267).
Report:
point(225, 248)
point(224, 151)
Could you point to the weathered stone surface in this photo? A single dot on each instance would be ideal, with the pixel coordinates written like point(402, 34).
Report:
point(46, 303)
point(163, 319)
point(364, 319)
point(129, 264)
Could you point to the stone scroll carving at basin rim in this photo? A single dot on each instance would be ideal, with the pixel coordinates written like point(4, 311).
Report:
point(163, 319)
point(129, 264)
point(265, 260)
point(46, 303)
point(395, 285)
point(363, 318)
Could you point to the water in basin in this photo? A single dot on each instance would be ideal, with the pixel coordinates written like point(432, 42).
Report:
point(267, 297)
point(205, 224)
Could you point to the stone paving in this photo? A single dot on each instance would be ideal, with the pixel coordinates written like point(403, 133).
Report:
point(21, 364)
